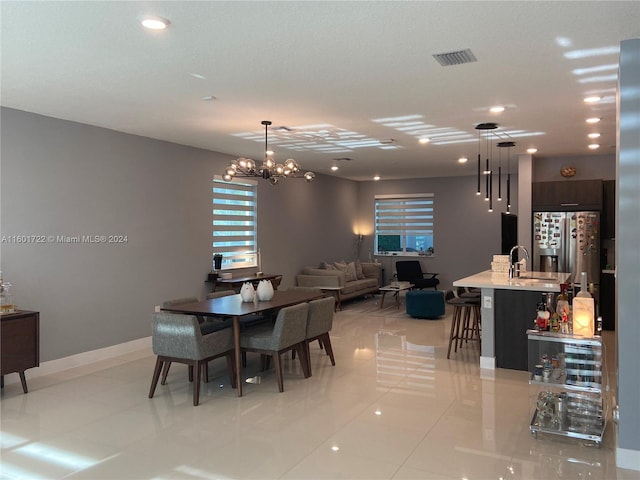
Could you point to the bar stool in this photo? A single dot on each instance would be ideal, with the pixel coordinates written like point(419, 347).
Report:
point(471, 326)
point(461, 327)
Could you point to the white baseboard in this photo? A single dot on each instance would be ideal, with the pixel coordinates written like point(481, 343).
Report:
point(84, 358)
point(488, 363)
point(629, 459)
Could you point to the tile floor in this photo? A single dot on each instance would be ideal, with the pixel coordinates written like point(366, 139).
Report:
point(393, 407)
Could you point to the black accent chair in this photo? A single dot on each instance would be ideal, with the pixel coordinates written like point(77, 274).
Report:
point(411, 271)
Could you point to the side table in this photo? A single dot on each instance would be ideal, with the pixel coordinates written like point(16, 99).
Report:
point(395, 289)
point(335, 291)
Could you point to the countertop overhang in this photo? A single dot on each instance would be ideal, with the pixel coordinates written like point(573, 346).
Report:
point(531, 281)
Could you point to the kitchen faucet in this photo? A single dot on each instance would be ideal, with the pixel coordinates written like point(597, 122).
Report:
point(514, 268)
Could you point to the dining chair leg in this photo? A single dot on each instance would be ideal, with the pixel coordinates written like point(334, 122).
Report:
point(205, 367)
point(305, 363)
point(277, 364)
point(196, 383)
point(231, 368)
point(326, 341)
point(165, 372)
point(156, 375)
point(308, 354)
point(190, 373)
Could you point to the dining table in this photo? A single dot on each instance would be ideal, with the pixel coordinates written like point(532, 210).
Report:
point(233, 306)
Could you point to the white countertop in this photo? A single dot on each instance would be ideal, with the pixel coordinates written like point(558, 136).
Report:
point(532, 281)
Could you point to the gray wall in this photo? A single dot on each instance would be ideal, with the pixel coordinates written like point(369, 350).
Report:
point(65, 178)
point(627, 238)
point(588, 167)
point(466, 234)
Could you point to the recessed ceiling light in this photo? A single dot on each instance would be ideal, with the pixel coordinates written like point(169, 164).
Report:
point(593, 120)
point(594, 135)
point(593, 146)
point(532, 150)
point(463, 160)
point(497, 109)
point(376, 178)
point(424, 140)
point(334, 168)
point(155, 23)
point(593, 99)
point(208, 98)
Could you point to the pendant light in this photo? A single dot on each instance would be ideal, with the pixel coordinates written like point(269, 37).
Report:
point(508, 146)
point(488, 127)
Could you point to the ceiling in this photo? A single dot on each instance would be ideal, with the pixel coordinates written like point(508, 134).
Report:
point(354, 80)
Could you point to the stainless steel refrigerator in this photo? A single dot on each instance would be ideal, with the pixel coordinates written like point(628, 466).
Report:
point(567, 242)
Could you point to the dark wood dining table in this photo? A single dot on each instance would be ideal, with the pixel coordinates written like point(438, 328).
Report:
point(233, 306)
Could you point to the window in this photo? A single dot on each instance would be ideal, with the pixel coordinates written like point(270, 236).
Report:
point(235, 207)
point(404, 224)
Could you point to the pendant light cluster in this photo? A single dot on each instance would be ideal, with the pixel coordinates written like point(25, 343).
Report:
point(488, 172)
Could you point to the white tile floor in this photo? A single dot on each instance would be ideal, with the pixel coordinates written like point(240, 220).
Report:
point(393, 407)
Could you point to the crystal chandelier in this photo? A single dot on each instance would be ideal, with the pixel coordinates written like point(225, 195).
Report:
point(269, 170)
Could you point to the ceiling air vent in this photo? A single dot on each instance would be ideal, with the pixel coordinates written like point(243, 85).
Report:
point(455, 58)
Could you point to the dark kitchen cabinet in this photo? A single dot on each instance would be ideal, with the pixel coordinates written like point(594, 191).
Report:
point(607, 304)
point(608, 219)
point(567, 195)
point(20, 344)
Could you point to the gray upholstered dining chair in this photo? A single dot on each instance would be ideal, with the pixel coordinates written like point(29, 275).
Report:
point(177, 338)
point(207, 324)
point(319, 324)
point(288, 333)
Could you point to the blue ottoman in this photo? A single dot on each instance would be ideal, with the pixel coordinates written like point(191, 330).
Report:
point(425, 303)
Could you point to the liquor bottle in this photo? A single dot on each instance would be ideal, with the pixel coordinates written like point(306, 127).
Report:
point(562, 309)
point(542, 314)
point(583, 310)
point(554, 324)
point(584, 291)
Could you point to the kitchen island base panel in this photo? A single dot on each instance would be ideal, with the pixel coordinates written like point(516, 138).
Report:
point(515, 311)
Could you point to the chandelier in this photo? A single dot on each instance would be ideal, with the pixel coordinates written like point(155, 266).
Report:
point(269, 170)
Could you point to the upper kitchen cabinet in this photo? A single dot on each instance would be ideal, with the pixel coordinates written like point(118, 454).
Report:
point(608, 219)
point(567, 195)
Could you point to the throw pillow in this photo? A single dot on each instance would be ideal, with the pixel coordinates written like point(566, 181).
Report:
point(359, 273)
point(351, 272)
point(342, 267)
point(327, 266)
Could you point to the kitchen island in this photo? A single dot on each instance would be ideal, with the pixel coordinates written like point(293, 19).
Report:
point(508, 309)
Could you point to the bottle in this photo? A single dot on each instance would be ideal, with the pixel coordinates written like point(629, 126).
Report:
point(542, 314)
point(583, 310)
point(554, 324)
point(562, 309)
point(584, 291)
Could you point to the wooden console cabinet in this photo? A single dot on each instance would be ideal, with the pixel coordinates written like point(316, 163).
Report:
point(20, 344)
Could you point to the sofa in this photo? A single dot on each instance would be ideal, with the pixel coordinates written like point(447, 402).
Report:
point(355, 278)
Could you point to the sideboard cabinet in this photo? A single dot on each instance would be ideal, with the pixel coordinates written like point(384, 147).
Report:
point(20, 344)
